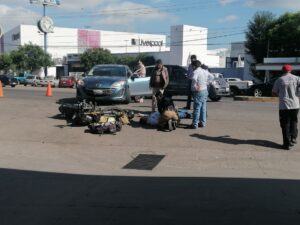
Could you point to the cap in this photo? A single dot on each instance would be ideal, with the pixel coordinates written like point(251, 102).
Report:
point(287, 68)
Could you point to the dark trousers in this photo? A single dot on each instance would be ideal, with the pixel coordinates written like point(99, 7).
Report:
point(190, 93)
point(288, 122)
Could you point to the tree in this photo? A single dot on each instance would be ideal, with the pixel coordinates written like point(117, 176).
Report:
point(30, 57)
point(132, 62)
point(92, 57)
point(126, 60)
point(5, 62)
point(258, 35)
point(284, 36)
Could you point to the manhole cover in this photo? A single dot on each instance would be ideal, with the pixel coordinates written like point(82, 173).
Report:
point(144, 162)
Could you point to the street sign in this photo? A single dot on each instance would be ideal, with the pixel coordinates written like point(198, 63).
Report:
point(45, 2)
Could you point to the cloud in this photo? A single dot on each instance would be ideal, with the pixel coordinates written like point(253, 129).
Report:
point(228, 18)
point(161, 1)
point(129, 13)
point(287, 4)
point(226, 2)
point(78, 5)
point(24, 16)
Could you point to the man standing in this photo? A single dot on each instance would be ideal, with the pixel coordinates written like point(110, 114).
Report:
point(285, 88)
point(159, 80)
point(141, 72)
point(190, 76)
point(141, 69)
point(200, 81)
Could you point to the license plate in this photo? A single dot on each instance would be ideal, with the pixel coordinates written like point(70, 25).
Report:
point(98, 92)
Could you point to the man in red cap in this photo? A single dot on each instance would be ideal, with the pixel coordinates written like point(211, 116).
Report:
point(285, 88)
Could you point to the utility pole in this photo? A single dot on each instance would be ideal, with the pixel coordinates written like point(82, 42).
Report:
point(46, 24)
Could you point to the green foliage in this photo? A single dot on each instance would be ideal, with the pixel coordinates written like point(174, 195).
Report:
point(146, 59)
point(30, 57)
point(273, 37)
point(5, 62)
point(132, 62)
point(92, 57)
point(285, 36)
point(258, 35)
point(126, 60)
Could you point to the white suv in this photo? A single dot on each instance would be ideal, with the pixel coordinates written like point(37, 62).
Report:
point(32, 80)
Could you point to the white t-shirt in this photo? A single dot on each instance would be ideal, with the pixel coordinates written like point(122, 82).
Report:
point(201, 78)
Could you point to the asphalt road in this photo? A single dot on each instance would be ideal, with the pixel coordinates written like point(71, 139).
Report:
point(231, 172)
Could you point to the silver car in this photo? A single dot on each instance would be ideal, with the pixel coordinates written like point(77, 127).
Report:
point(112, 83)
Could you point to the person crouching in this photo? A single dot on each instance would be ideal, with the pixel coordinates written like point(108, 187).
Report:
point(168, 115)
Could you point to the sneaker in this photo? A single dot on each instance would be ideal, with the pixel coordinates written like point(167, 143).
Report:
point(294, 141)
point(201, 125)
point(170, 125)
point(286, 147)
point(192, 127)
point(174, 125)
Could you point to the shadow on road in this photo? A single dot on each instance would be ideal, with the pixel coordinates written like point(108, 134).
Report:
point(234, 141)
point(37, 198)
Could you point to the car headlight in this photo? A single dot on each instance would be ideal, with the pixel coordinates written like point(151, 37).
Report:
point(118, 84)
point(80, 82)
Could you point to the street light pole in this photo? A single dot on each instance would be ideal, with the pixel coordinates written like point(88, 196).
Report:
point(46, 23)
point(45, 40)
point(45, 34)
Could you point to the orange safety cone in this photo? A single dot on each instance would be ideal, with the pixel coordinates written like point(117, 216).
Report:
point(1, 89)
point(49, 90)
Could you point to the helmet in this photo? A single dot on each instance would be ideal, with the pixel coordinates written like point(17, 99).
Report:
point(130, 114)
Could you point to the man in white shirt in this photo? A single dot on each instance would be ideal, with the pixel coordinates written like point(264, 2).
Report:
point(285, 88)
point(200, 80)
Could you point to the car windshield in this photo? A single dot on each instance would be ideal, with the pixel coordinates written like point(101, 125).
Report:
point(49, 78)
point(65, 78)
point(30, 77)
point(108, 71)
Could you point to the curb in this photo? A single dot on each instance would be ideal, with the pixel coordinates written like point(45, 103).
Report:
point(255, 99)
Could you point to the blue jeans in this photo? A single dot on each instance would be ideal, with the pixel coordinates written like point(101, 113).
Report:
point(200, 107)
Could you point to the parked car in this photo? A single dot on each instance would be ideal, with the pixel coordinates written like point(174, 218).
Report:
point(238, 86)
point(32, 80)
point(179, 84)
point(67, 82)
point(21, 77)
point(49, 79)
point(263, 89)
point(8, 80)
point(106, 83)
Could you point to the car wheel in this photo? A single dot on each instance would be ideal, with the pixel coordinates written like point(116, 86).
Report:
point(13, 85)
point(215, 99)
point(78, 95)
point(25, 85)
point(234, 91)
point(257, 92)
point(128, 98)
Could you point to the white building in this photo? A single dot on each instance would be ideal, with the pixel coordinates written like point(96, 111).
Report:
point(184, 41)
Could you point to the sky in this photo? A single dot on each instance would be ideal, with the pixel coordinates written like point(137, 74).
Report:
point(226, 20)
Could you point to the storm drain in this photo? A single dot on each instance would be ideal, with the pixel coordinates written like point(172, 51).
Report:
point(144, 162)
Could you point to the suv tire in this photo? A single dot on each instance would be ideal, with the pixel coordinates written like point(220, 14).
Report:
point(215, 99)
